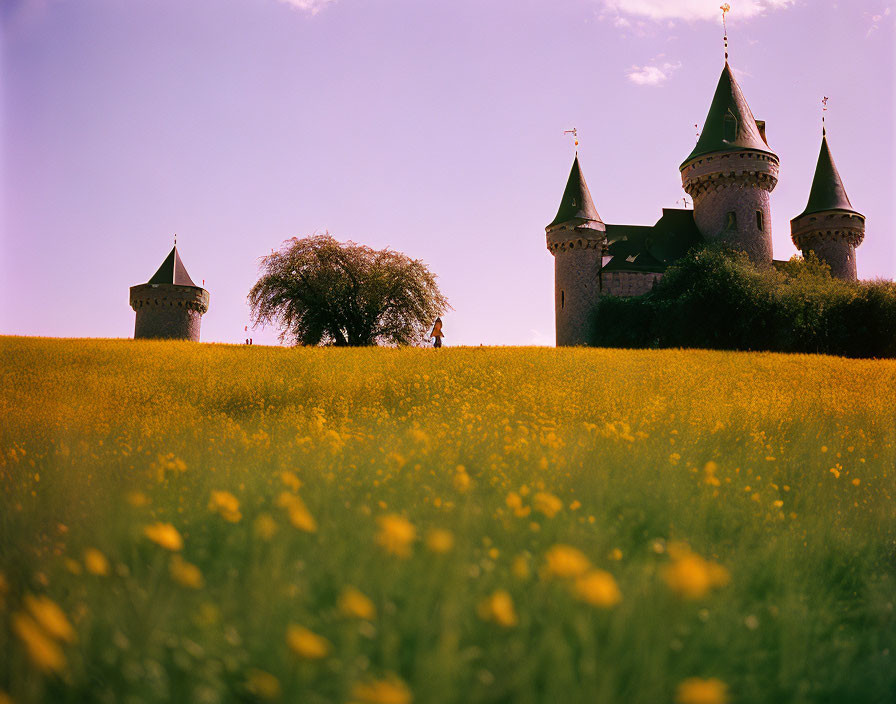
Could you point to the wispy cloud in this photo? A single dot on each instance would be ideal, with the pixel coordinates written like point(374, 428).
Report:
point(312, 7)
point(688, 9)
point(652, 74)
point(876, 20)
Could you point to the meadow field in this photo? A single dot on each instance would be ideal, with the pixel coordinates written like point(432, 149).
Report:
point(210, 523)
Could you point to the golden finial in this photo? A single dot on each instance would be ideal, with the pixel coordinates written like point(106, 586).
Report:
point(725, 8)
point(575, 134)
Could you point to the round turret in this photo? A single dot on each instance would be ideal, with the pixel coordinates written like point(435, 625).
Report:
point(169, 306)
point(829, 226)
point(731, 173)
point(577, 239)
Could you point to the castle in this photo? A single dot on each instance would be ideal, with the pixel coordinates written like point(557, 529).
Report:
point(729, 175)
point(169, 305)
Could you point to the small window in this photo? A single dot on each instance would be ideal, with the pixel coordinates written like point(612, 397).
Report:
point(573, 202)
point(729, 131)
point(759, 220)
point(562, 298)
point(731, 221)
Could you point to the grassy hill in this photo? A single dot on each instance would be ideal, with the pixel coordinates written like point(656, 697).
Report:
point(204, 523)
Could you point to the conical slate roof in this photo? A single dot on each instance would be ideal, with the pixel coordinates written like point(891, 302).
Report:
point(827, 189)
point(172, 271)
point(576, 202)
point(728, 101)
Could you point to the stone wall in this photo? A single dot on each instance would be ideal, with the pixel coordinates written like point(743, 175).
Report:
point(738, 182)
point(166, 311)
point(833, 236)
point(628, 283)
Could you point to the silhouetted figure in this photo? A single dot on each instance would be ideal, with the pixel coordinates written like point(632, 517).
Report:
point(437, 333)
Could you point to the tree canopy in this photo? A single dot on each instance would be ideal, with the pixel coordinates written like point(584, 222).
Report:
point(322, 292)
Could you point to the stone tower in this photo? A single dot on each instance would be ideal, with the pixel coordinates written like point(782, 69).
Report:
point(731, 173)
point(829, 226)
point(169, 305)
point(577, 239)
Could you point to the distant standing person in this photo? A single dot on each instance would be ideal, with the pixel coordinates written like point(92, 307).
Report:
point(437, 333)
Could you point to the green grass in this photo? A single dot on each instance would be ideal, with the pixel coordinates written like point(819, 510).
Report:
point(624, 436)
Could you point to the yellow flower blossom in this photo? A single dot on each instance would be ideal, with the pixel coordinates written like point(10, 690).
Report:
point(519, 568)
point(95, 562)
point(264, 526)
point(396, 535)
point(50, 617)
point(390, 690)
point(691, 576)
point(597, 588)
point(42, 650)
point(225, 504)
point(462, 481)
point(498, 608)
point(546, 503)
point(695, 690)
point(439, 541)
point(306, 644)
point(263, 684)
point(184, 573)
point(137, 499)
point(355, 604)
point(290, 480)
point(565, 561)
point(164, 534)
point(299, 515)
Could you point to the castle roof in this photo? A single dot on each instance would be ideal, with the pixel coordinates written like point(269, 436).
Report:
point(646, 248)
point(576, 203)
point(827, 191)
point(741, 131)
point(172, 271)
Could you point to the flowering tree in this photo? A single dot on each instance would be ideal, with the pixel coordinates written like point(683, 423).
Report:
point(322, 292)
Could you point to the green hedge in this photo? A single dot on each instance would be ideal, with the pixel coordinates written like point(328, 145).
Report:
point(718, 299)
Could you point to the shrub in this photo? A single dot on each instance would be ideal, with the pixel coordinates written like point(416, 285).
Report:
point(718, 299)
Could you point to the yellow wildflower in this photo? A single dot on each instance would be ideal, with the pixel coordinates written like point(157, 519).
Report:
point(695, 690)
point(167, 463)
point(306, 644)
point(263, 684)
point(462, 480)
point(565, 561)
point(185, 573)
point(95, 562)
point(597, 588)
point(520, 567)
point(42, 650)
point(225, 504)
point(299, 515)
point(50, 617)
point(137, 499)
point(265, 526)
point(355, 604)
point(856, 481)
point(498, 608)
point(290, 480)
point(164, 534)
point(691, 576)
point(385, 691)
point(396, 535)
point(439, 541)
point(546, 503)
point(616, 554)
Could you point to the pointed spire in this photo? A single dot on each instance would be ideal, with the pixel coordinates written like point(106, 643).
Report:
point(827, 189)
point(576, 203)
point(172, 271)
point(730, 124)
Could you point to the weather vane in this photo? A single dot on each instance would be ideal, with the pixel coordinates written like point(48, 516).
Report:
point(574, 134)
point(175, 239)
point(824, 109)
point(725, 8)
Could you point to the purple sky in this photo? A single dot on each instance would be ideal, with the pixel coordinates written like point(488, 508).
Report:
point(434, 127)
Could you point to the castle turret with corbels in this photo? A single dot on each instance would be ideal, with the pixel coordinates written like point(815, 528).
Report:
point(169, 306)
point(829, 226)
point(730, 175)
